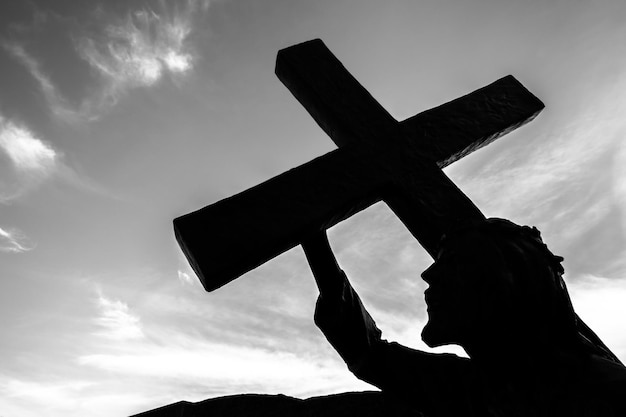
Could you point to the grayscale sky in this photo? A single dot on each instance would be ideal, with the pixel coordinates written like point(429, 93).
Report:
point(117, 116)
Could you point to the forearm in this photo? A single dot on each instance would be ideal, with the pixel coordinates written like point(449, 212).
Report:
point(347, 325)
point(328, 276)
point(339, 313)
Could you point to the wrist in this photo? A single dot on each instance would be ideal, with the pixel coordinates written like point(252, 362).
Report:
point(328, 275)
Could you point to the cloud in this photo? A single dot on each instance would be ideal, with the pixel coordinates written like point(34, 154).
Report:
point(124, 52)
point(569, 182)
point(383, 261)
point(57, 103)
point(32, 160)
point(27, 161)
point(225, 369)
point(183, 343)
point(53, 394)
point(138, 50)
point(30, 398)
point(185, 278)
point(544, 173)
point(117, 321)
point(27, 152)
point(12, 240)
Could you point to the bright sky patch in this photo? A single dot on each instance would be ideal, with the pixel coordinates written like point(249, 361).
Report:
point(139, 50)
point(13, 241)
point(117, 320)
point(26, 151)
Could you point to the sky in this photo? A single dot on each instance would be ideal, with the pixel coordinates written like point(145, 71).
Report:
point(118, 116)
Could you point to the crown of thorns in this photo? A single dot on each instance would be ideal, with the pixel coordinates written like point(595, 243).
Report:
point(502, 228)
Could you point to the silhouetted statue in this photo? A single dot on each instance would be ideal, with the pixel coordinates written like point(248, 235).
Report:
point(496, 290)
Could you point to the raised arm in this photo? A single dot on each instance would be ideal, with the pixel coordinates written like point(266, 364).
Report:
point(339, 312)
point(433, 383)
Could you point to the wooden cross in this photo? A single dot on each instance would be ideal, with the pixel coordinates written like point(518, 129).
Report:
point(378, 158)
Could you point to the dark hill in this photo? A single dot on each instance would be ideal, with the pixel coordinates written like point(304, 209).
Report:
point(361, 404)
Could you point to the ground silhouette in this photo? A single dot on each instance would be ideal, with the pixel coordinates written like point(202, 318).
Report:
point(354, 404)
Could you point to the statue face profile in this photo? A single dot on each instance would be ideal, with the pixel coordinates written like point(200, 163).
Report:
point(467, 295)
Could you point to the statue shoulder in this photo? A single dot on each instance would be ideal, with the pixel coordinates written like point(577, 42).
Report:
point(606, 385)
point(603, 371)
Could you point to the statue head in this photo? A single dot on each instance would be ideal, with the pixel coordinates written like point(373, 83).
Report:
point(495, 281)
point(486, 283)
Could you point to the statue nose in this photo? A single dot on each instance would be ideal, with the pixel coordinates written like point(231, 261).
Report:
point(428, 275)
point(433, 273)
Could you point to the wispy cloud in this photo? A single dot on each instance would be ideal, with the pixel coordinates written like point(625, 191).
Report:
point(117, 321)
point(225, 369)
point(32, 160)
point(29, 398)
point(181, 339)
point(571, 184)
point(540, 176)
point(27, 161)
point(55, 394)
point(383, 260)
point(26, 151)
point(138, 50)
point(57, 103)
point(185, 278)
point(12, 240)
